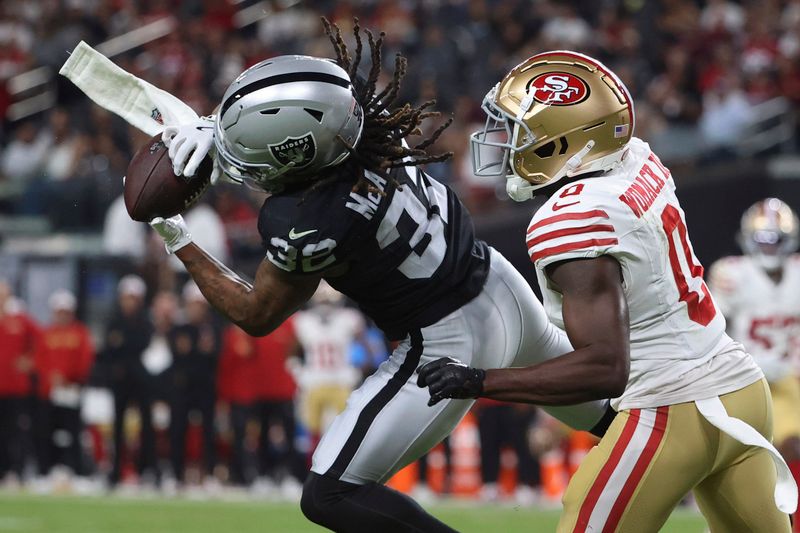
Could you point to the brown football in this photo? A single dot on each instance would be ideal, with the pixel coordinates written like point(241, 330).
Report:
point(153, 190)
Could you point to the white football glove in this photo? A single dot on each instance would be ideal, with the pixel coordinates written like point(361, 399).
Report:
point(189, 144)
point(174, 232)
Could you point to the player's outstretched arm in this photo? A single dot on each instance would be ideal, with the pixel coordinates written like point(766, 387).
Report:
point(257, 308)
point(596, 319)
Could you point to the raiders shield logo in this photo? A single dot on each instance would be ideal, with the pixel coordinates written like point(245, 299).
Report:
point(558, 88)
point(297, 150)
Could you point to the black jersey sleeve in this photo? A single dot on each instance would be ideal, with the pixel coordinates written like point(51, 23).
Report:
point(308, 233)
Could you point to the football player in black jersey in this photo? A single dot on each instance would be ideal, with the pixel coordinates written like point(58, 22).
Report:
point(349, 203)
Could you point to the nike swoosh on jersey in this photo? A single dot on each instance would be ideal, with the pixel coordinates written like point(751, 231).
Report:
point(557, 206)
point(293, 235)
point(203, 128)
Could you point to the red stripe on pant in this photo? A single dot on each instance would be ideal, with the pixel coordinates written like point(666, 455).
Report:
point(794, 467)
point(605, 473)
point(636, 475)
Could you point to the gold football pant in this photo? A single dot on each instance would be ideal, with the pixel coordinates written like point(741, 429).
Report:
point(785, 408)
point(322, 401)
point(651, 458)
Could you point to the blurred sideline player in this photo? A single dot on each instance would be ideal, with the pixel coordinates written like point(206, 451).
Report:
point(19, 335)
point(128, 335)
point(255, 386)
point(280, 465)
point(325, 331)
point(759, 294)
point(617, 271)
point(62, 361)
point(350, 204)
point(195, 346)
point(237, 388)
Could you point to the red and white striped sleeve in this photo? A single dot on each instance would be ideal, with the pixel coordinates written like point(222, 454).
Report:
point(582, 232)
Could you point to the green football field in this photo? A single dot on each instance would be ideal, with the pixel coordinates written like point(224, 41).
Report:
point(59, 514)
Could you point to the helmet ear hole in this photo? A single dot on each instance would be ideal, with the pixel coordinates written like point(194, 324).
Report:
point(564, 145)
point(546, 150)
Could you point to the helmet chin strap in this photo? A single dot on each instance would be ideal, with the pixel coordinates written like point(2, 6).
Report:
point(574, 162)
point(520, 189)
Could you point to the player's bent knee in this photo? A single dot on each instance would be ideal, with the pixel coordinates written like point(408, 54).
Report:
point(320, 496)
point(309, 502)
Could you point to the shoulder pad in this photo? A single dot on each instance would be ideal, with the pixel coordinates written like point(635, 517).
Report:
point(580, 220)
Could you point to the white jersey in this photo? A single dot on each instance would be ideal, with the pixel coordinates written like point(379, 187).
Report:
point(326, 338)
point(762, 314)
point(679, 349)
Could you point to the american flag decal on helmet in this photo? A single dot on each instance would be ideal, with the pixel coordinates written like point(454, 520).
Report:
point(620, 130)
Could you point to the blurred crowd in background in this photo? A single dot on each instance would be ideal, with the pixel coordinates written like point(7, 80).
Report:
point(697, 71)
point(161, 392)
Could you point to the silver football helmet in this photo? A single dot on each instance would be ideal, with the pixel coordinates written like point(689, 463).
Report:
point(281, 119)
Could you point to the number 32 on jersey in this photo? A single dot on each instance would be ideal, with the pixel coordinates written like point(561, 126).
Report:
point(412, 228)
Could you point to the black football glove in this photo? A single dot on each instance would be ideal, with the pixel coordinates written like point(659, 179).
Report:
point(448, 378)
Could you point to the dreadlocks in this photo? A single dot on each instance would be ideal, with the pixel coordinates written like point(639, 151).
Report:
point(381, 147)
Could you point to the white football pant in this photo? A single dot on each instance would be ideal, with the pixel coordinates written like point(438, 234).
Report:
point(387, 423)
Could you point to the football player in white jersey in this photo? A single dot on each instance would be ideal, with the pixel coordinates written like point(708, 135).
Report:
point(758, 294)
point(326, 331)
point(348, 202)
point(618, 273)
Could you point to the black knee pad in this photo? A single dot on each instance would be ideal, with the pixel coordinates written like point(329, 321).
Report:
point(321, 494)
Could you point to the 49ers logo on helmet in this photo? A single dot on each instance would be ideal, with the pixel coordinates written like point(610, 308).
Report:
point(558, 88)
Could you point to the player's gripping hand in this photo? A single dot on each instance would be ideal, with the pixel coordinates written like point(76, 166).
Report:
point(174, 232)
point(448, 378)
point(189, 144)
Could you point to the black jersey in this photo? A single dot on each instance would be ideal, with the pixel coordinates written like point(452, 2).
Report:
point(410, 253)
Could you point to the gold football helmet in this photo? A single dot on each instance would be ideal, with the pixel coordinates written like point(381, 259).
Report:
point(556, 114)
point(770, 231)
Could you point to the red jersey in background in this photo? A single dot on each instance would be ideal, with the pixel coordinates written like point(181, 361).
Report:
point(18, 336)
point(274, 380)
point(239, 371)
point(64, 351)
